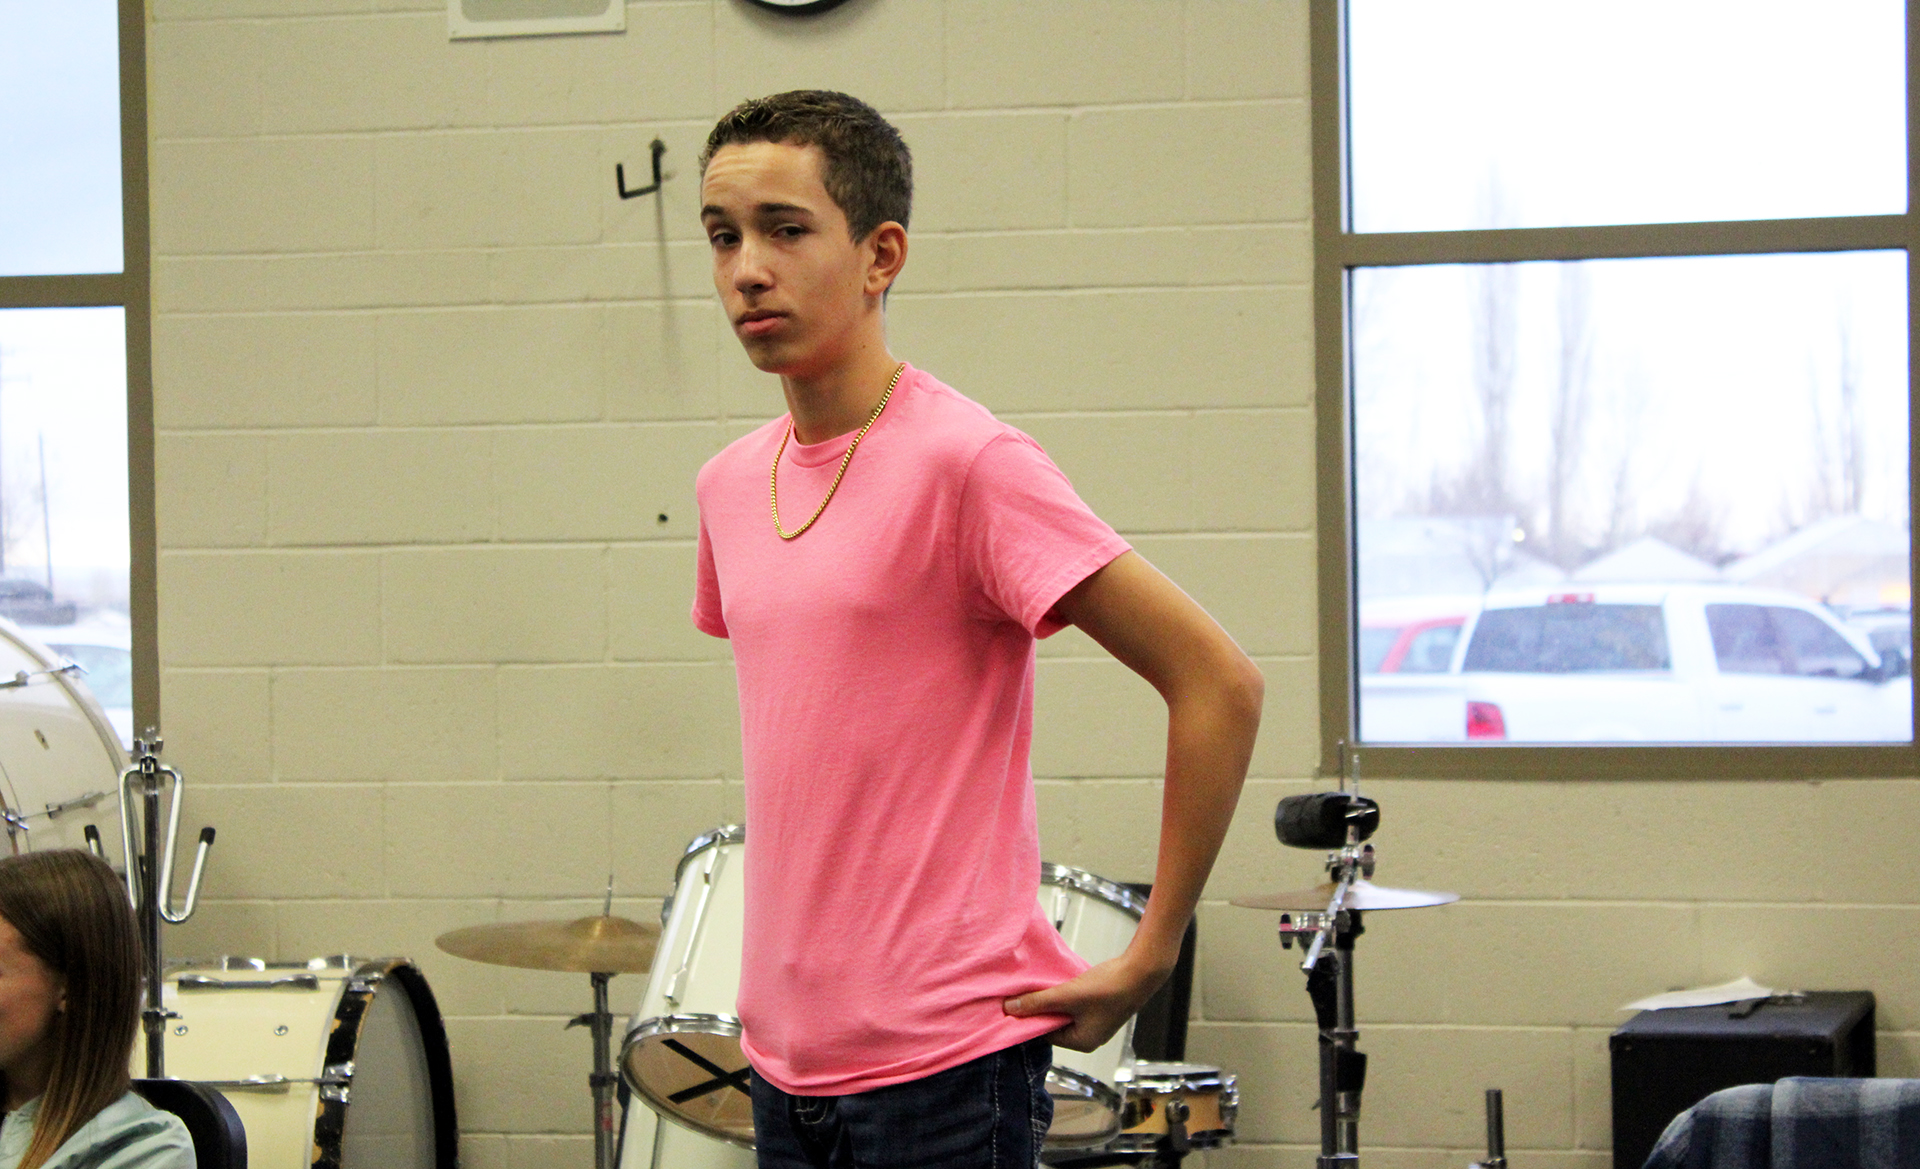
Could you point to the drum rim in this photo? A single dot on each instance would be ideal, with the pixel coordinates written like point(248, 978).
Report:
point(728, 833)
point(1094, 885)
point(1084, 1087)
point(343, 1041)
point(1149, 1075)
point(725, 1026)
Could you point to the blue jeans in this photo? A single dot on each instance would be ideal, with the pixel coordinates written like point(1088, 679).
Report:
point(989, 1113)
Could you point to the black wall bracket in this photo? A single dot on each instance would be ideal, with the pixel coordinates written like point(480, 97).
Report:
point(620, 174)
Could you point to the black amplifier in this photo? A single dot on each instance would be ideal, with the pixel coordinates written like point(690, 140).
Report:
point(1665, 1062)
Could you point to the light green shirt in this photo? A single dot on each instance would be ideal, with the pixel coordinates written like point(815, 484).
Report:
point(127, 1134)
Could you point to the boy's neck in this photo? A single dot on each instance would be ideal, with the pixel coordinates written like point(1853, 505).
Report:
point(839, 400)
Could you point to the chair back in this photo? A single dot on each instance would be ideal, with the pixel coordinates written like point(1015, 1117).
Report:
point(219, 1140)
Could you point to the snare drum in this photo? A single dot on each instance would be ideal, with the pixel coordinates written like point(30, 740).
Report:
point(682, 1054)
point(337, 1063)
point(1096, 917)
point(1212, 1098)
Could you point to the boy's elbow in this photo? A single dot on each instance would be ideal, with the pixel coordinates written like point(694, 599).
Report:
point(1246, 690)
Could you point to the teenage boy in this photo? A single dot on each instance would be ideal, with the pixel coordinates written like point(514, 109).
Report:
point(882, 558)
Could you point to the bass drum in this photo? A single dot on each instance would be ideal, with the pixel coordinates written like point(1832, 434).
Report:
point(336, 1063)
point(60, 758)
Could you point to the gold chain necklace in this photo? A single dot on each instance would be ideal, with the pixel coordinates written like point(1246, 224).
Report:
point(773, 477)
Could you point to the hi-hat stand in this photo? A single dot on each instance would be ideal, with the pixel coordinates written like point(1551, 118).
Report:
point(1325, 921)
point(150, 877)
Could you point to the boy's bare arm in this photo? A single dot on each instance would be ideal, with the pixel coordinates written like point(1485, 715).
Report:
point(1213, 694)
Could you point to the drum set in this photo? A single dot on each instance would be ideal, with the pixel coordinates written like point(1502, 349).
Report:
point(681, 1056)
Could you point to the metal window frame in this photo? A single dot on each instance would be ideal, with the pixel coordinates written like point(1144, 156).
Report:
point(130, 290)
point(1337, 250)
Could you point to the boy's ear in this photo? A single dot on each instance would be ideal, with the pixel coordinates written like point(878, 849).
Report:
point(887, 251)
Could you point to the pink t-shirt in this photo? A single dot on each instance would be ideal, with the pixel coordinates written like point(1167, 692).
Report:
point(885, 663)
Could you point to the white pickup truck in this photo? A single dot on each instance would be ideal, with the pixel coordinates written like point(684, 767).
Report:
point(1674, 663)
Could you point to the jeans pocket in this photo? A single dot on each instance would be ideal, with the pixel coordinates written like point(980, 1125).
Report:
point(1036, 1057)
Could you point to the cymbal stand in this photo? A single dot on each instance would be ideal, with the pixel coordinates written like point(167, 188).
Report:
point(1496, 1134)
point(599, 1024)
point(1343, 1069)
point(150, 877)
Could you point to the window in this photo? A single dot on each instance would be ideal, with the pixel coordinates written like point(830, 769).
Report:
point(76, 447)
point(1614, 387)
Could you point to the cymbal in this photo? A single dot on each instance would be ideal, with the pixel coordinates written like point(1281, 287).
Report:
point(589, 945)
point(1362, 895)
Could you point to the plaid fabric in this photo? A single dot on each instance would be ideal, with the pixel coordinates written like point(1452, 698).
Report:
point(1802, 1122)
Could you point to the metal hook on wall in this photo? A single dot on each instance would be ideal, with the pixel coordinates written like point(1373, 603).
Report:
point(620, 174)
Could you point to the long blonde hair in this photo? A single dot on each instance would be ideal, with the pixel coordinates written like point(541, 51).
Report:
point(71, 912)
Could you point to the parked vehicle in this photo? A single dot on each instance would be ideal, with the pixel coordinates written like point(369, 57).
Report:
point(1412, 635)
point(1408, 692)
point(1675, 663)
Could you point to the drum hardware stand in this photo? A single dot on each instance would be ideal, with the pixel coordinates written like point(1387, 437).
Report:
point(150, 877)
point(599, 1024)
point(1496, 1134)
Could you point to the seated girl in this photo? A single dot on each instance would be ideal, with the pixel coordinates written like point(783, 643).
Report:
point(69, 1008)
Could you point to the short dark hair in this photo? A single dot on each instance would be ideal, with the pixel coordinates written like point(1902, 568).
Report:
point(868, 171)
point(71, 913)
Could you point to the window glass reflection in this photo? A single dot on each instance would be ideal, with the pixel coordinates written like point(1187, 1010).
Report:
point(59, 137)
point(1517, 113)
point(1592, 470)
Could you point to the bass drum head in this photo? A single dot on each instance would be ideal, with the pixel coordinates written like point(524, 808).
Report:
point(401, 1114)
point(690, 1069)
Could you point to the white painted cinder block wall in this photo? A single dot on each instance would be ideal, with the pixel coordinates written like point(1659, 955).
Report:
point(430, 399)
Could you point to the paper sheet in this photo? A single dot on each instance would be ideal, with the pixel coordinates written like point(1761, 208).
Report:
point(1739, 990)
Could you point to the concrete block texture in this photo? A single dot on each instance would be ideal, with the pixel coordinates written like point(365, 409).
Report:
point(500, 604)
point(399, 725)
point(206, 77)
point(1070, 53)
point(990, 172)
point(366, 487)
point(226, 372)
point(293, 841)
point(262, 194)
point(1145, 349)
point(211, 489)
point(647, 72)
point(1193, 164)
point(364, 280)
point(618, 482)
point(1246, 48)
point(407, 75)
point(679, 721)
point(269, 608)
point(650, 605)
point(476, 840)
point(492, 365)
point(218, 724)
point(540, 187)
